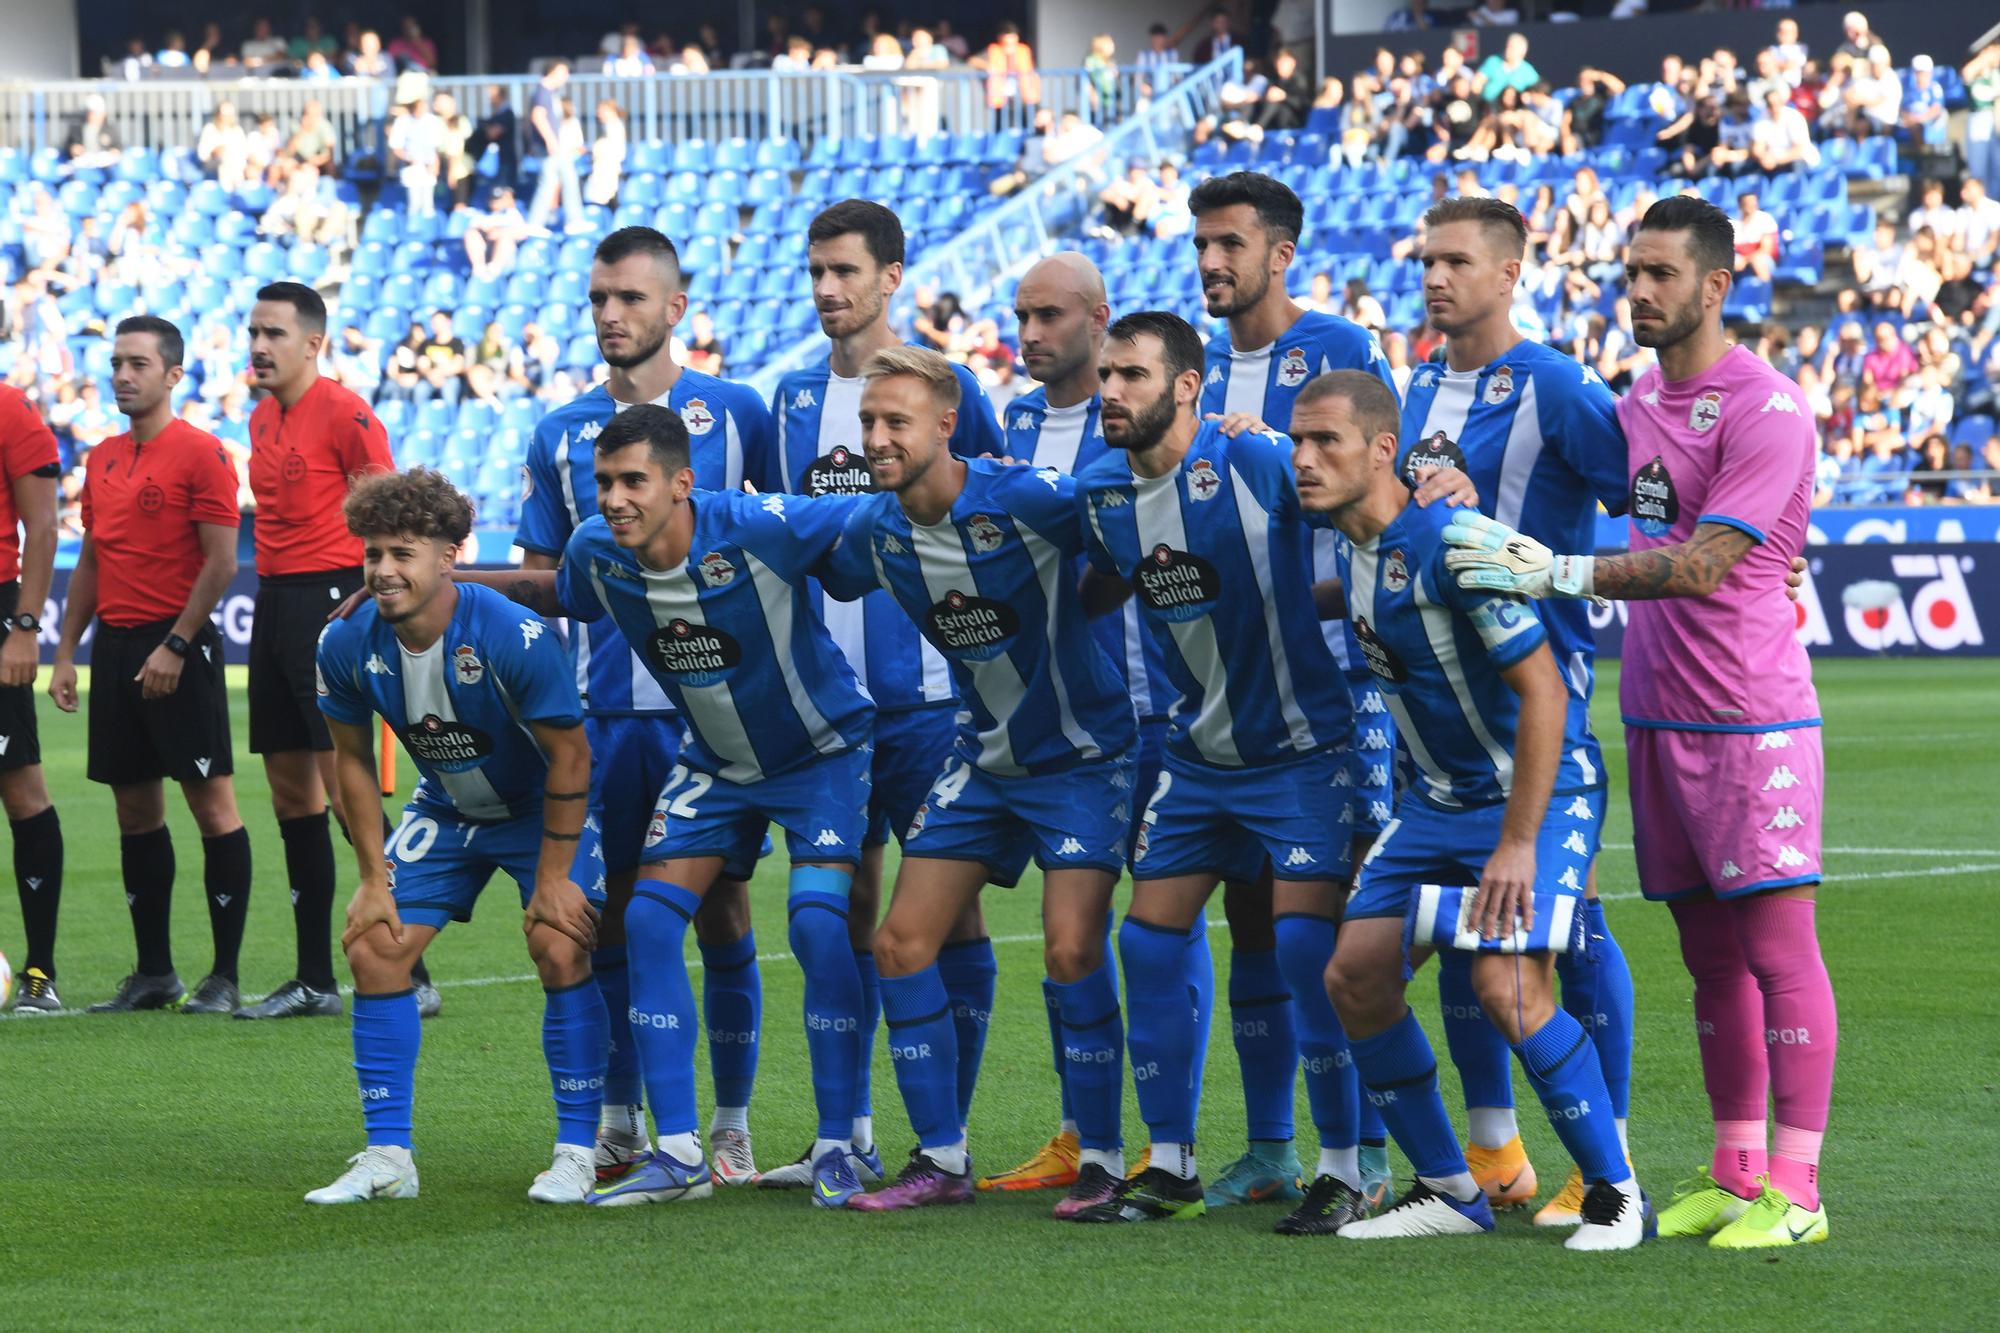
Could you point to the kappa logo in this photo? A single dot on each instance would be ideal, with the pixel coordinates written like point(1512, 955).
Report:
point(1591, 376)
point(1022, 421)
point(1347, 814)
point(1782, 779)
point(1070, 847)
point(716, 571)
point(1049, 477)
point(1579, 809)
point(1371, 702)
point(697, 418)
point(1292, 368)
point(1426, 376)
point(1375, 739)
point(530, 631)
point(1378, 775)
point(774, 505)
point(1788, 858)
point(1775, 740)
point(1203, 482)
point(611, 569)
point(590, 431)
point(1787, 817)
point(465, 664)
point(1298, 856)
point(892, 545)
point(1113, 500)
point(803, 399)
point(1780, 402)
point(1214, 375)
point(203, 764)
point(1341, 778)
point(1707, 410)
point(1575, 843)
point(1730, 870)
point(1650, 399)
point(1569, 880)
point(985, 533)
point(828, 838)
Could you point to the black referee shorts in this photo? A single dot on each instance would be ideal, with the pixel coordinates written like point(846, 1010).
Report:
point(184, 736)
point(284, 637)
point(20, 738)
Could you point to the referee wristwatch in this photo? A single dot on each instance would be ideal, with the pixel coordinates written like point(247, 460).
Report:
point(25, 621)
point(176, 645)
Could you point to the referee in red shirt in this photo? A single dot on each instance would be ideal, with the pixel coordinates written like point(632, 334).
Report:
point(159, 550)
point(29, 466)
point(309, 439)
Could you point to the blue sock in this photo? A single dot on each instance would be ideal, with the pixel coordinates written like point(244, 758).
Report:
point(1563, 1067)
point(1374, 1133)
point(621, 1063)
point(871, 1019)
point(1476, 1046)
point(818, 908)
point(575, 1033)
point(387, 1033)
point(732, 1005)
point(1161, 1027)
point(1399, 1074)
point(1267, 1044)
point(970, 974)
point(1597, 992)
point(1094, 1050)
point(923, 1046)
point(1201, 994)
point(1305, 946)
point(1052, 1001)
point(662, 1012)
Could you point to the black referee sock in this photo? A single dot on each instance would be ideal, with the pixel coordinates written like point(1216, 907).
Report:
point(38, 873)
point(147, 860)
point(309, 867)
point(226, 880)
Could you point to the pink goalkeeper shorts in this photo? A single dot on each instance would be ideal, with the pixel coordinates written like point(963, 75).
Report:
point(1726, 812)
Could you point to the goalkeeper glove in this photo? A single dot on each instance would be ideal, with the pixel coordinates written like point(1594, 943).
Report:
point(1490, 556)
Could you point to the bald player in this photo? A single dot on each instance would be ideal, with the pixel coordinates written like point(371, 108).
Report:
point(1062, 314)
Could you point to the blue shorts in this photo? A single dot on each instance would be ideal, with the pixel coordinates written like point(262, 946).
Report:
point(1077, 819)
point(636, 753)
point(1427, 845)
point(1152, 757)
point(822, 807)
point(1227, 821)
point(1374, 794)
point(911, 748)
point(439, 862)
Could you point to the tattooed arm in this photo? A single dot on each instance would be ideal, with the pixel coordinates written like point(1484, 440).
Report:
point(1695, 568)
point(532, 588)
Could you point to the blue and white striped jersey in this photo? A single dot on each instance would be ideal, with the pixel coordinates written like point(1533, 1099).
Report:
point(819, 452)
point(732, 635)
point(729, 434)
point(1266, 381)
point(1539, 436)
point(463, 705)
point(1220, 561)
point(1438, 651)
point(1070, 439)
point(993, 587)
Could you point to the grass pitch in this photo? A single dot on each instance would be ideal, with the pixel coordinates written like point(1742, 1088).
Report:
point(151, 1165)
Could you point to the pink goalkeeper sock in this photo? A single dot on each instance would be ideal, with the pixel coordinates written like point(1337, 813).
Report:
point(1801, 1032)
point(1740, 1156)
point(1728, 1022)
point(1795, 1164)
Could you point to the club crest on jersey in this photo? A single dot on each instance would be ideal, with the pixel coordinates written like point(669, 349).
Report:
point(527, 484)
point(465, 665)
point(917, 822)
point(656, 831)
point(696, 417)
point(1500, 385)
point(985, 533)
point(1707, 410)
point(1292, 368)
point(839, 471)
point(1653, 504)
point(1203, 482)
point(1395, 571)
point(716, 571)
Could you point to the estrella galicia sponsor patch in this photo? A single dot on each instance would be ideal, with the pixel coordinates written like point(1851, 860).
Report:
point(1382, 660)
point(697, 655)
point(839, 471)
point(1654, 504)
point(450, 746)
point(1176, 585)
point(1435, 450)
point(971, 627)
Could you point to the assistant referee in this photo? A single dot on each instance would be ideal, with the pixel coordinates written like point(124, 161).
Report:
point(309, 439)
point(159, 550)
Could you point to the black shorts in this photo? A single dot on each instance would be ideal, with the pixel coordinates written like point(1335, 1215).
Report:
point(184, 736)
point(20, 739)
point(284, 638)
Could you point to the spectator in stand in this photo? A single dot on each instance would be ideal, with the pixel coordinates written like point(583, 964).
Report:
point(1493, 14)
point(497, 131)
point(615, 40)
point(1100, 78)
point(1782, 138)
point(692, 59)
point(926, 52)
point(413, 50)
point(1320, 298)
point(1583, 118)
point(885, 55)
point(1885, 460)
point(441, 362)
point(630, 60)
point(704, 349)
point(263, 146)
point(223, 149)
point(369, 60)
point(1130, 201)
point(1876, 265)
point(1982, 119)
point(1414, 16)
point(173, 52)
point(1692, 139)
point(1159, 53)
point(416, 142)
point(264, 50)
point(454, 148)
point(1919, 277)
point(795, 59)
point(92, 140)
point(311, 145)
point(1789, 53)
point(1756, 237)
point(302, 212)
point(311, 41)
point(1358, 306)
point(1221, 39)
point(1931, 406)
point(1889, 364)
point(1968, 490)
point(535, 368)
point(1283, 103)
point(1011, 77)
point(357, 362)
point(1924, 117)
point(1931, 212)
point(1171, 217)
point(545, 140)
point(1856, 38)
point(1874, 95)
point(1978, 222)
point(1507, 69)
point(607, 154)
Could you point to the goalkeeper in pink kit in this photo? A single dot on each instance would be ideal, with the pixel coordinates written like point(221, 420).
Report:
point(1722, 724)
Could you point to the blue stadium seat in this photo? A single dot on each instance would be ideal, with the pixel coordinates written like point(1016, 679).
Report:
point(512, 319)
point(570, 287)
point(693, 155)
point(650, 155)
point(386, 324)
point(715, 219)
point(436, 416)
point(526, 287)
point(580, 353)
point(777, 154)
point(644, 190)
point(1974, 430)
point(400, 289)
point(732, 155)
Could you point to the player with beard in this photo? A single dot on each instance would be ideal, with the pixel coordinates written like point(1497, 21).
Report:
point(637, 296)
point(854, 256)
point(1208, 532)
point(1246, 230)
point(1722, 723)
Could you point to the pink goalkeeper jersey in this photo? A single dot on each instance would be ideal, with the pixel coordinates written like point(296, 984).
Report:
point(1732, 445)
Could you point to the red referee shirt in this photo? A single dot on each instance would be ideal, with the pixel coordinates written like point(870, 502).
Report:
point(141, 504)
point(302, 460)
point(26, 445)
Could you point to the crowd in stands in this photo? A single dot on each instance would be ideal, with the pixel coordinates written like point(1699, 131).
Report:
point(1895, 344)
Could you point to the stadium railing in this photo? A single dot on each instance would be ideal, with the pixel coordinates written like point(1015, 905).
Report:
point(1029, 225)
point(728, 104)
